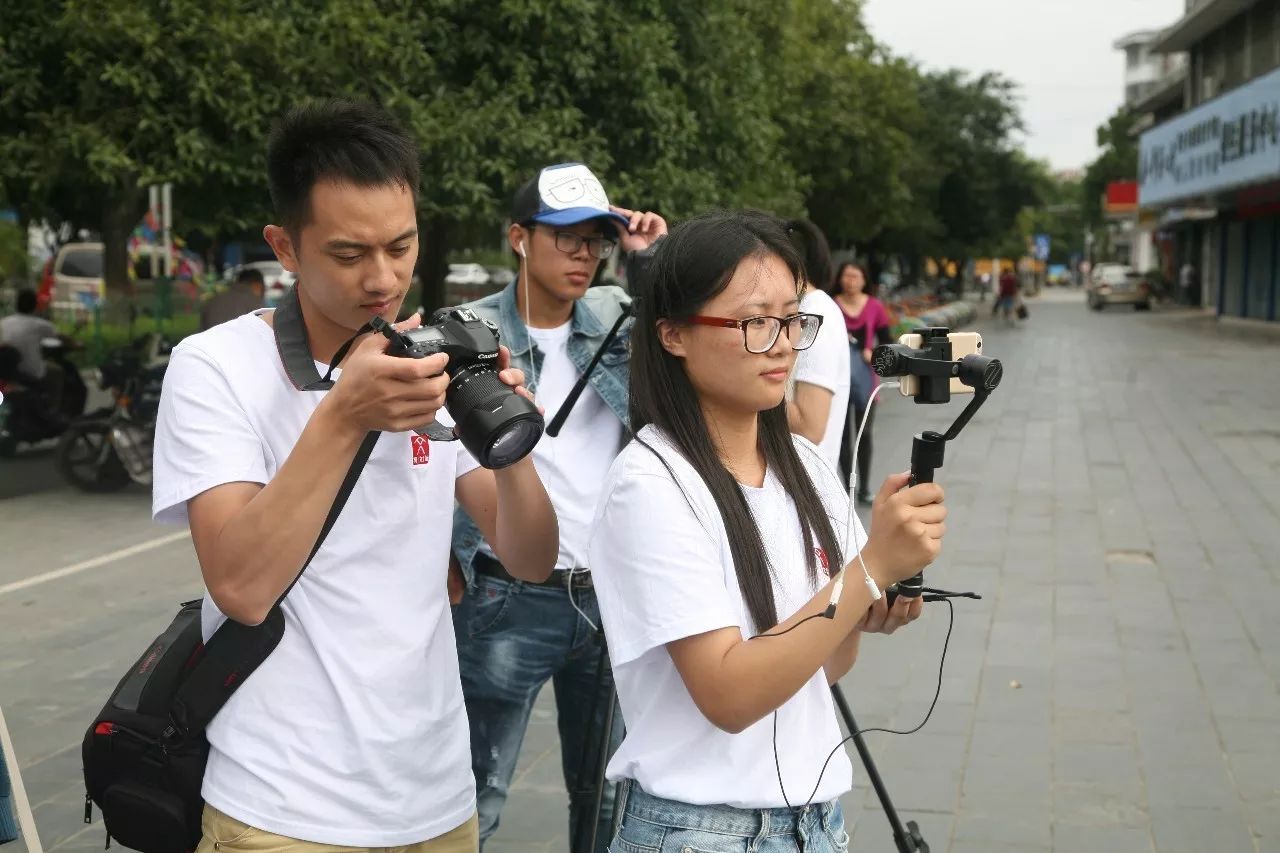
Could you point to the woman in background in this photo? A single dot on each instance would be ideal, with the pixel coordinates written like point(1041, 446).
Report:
point(819, 405)
point(867, 322)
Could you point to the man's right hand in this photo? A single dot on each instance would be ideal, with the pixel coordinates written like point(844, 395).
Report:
point(377, 391)
point(907, 526)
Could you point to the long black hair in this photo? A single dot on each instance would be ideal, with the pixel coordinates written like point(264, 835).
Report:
point(693, 264)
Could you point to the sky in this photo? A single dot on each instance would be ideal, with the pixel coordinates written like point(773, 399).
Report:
point(1058, 51)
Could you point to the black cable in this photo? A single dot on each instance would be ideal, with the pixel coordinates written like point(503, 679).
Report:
point(793, 627)
point(951, 623)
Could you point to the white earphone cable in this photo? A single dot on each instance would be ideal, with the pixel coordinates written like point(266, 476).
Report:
point(850, 528)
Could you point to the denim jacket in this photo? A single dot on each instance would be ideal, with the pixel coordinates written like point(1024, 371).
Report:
point(593, 316)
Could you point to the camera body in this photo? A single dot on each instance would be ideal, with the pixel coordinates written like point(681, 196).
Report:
point(469, 341)
point(495, 423)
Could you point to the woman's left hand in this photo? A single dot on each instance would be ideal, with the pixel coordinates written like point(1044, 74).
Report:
point(866, 356)
point(882, 619)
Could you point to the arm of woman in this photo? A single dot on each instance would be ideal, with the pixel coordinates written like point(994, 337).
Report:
point(736, 682)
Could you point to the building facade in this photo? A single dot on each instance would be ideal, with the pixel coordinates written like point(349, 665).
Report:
point(1209, 173)
point(1145, 70)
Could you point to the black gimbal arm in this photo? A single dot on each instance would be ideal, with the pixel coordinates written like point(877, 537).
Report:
point(557, 422)
point(933, 365)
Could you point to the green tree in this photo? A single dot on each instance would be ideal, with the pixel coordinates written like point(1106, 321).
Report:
point(103, 99)
point(848, 112)
point(970, 179)
point(1118, 161)
point(1059, 215)
point(678, 106)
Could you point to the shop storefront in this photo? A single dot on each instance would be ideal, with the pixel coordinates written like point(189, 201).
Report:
point(1222, 160)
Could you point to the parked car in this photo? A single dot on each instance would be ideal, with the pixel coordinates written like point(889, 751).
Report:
point(1117, 284)
point(78, 269)
point(77, 274)
point(501, 276)
point(473, 274)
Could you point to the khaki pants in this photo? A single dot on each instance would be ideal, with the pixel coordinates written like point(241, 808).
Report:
point(225, 834)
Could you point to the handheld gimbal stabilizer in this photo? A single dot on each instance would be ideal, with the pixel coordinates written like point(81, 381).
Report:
point(932, 364)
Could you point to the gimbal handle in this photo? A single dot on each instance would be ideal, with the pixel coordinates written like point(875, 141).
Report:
point(927, 452)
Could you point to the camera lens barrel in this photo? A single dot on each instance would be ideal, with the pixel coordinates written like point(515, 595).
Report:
point(495, 423)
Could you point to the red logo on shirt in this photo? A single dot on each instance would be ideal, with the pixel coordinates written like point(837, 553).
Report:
point(822, 559)
point(421, 446)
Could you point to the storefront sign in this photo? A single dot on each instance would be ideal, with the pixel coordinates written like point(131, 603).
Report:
point(1230, 142)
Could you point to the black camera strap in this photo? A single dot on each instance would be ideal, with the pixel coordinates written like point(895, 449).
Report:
point(235, 650)
point(295, 354)
point(294, 345)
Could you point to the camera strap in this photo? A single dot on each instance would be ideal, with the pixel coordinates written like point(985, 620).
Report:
point(294, 345)
point(295, 354)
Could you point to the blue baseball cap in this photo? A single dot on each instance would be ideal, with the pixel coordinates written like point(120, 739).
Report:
point(565, 194)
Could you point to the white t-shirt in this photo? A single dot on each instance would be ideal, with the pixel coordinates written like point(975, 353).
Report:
point(24, 332)
point(826, 364)
point(572, 465)
point(663, 570)
point(353, 732)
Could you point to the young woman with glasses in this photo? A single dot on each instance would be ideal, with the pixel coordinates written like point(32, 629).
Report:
point(715, 547)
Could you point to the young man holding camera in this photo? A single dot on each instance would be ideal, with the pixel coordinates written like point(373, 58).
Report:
point(514, 635)
point(353, 731)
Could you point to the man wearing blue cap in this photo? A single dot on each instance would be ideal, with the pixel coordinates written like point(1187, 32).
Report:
point(513, 636)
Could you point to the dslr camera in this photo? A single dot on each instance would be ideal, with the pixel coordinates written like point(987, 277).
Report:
point(495, 423)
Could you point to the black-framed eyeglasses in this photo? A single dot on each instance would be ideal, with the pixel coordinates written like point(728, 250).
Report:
point(761, 332)
point(598, 247)
point(569, 243)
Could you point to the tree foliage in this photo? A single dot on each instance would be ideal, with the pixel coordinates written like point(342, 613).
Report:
point(1118, 161)
point(679, 106)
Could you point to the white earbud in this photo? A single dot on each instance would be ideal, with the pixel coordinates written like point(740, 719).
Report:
point(521, 250)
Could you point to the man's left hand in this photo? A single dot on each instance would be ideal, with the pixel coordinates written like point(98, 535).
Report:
point(641, 231)
point(883, 619)
point(514, 376)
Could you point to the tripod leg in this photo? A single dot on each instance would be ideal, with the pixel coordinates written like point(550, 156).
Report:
point(908, 839)
point(586, 819)
point(605, 741)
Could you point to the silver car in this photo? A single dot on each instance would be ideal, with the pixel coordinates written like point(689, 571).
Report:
point(1117, 284)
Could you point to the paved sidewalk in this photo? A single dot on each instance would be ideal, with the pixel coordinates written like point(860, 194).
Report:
point(1117, 502)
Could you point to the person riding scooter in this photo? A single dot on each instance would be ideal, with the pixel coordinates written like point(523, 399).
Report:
point(26, 332)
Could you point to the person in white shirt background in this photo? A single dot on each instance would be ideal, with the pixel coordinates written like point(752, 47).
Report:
point(24, 331)
point(819, 406)
point(353, 731)
point(514, 636)
point(715, 526)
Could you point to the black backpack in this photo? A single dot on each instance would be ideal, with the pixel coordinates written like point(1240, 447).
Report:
point(144, 755)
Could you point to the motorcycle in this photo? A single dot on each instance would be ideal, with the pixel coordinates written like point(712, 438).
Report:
point(105, 450)
point(26, 416)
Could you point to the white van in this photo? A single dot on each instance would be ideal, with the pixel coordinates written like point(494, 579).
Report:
point(77, 270)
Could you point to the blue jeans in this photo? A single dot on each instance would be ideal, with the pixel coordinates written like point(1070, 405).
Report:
point(653, 825)
point(513, 638)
